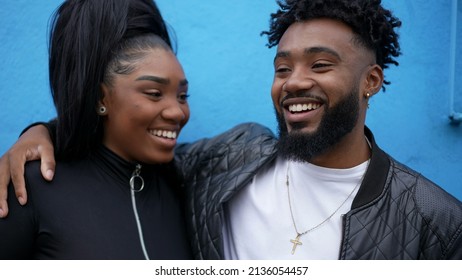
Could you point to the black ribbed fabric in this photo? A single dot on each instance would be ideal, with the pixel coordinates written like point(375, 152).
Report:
point(86, 213)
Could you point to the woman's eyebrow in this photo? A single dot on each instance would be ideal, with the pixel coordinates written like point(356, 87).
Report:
point(156, 79)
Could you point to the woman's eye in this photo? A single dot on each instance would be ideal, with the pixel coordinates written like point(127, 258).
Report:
point(155, 94)
point(183, 96)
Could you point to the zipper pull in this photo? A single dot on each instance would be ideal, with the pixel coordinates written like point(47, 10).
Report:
point(136, 175)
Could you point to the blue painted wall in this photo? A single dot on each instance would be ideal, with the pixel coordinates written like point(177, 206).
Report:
point(230, 72)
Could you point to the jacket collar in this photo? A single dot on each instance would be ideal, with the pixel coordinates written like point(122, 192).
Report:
point(376, 174)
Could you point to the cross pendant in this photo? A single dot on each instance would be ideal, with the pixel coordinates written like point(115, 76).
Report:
point(296, 242)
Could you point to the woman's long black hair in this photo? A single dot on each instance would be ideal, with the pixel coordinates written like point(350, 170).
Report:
point(85, 37)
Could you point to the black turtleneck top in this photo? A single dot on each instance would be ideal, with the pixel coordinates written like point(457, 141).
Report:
point(86, 212)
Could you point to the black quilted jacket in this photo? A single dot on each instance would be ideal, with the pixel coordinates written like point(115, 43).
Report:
point(397, 213)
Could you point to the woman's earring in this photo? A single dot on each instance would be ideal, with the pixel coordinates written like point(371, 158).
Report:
point(102, 110)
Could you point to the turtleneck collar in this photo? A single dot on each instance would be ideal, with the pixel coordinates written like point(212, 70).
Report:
point(121, 169)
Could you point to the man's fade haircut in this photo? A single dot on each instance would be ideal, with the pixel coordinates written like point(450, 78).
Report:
point(373, 24)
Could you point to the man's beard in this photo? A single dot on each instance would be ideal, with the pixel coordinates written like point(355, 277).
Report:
point(337, 121)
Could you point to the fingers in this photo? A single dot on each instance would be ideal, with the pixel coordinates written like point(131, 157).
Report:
point(4, 181)
point(17, 160)
point(12, 167)
point(48, 163)
point(34, 144)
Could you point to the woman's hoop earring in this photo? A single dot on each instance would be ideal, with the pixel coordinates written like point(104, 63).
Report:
point(102, 110)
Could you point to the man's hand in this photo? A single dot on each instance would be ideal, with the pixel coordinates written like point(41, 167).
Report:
point(34, 144)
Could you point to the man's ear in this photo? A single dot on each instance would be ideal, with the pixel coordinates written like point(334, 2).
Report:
point(374, 80)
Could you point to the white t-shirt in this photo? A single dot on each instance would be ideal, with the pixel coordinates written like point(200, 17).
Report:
point(258, 223)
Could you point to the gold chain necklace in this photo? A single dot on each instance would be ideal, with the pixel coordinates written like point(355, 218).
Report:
point(297, 241)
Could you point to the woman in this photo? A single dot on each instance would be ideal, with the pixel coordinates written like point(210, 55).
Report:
point(121, 100)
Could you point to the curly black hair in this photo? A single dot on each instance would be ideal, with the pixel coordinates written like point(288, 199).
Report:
point(374, 25)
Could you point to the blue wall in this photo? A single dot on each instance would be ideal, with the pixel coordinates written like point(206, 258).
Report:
point(230, 73)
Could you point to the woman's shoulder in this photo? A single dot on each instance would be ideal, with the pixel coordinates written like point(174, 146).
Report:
point(64, 171)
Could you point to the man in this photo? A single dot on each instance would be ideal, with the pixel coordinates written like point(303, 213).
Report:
point(324, 189)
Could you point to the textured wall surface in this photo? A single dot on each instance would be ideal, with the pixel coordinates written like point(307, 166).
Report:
point(230, 73)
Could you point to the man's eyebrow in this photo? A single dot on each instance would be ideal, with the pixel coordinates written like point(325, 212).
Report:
point(281, 54)
point(156, 79)
point(308, 51)
point(314, 50)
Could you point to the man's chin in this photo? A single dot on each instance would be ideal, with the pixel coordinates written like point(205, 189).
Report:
point(301, 128)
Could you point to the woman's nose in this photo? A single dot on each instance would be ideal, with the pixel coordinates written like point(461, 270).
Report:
point(174, 111)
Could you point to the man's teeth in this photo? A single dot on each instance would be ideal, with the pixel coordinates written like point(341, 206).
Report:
point(164, 133)
point(303, 107)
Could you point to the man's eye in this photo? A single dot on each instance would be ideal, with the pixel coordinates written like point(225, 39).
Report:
point(282, 70)
point(321, 65)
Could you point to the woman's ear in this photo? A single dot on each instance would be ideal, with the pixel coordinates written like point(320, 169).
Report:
point(102, 103)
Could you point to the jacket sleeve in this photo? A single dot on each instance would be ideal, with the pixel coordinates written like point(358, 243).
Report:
point(455, 253)
point(190, 156)
point(442, 216)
